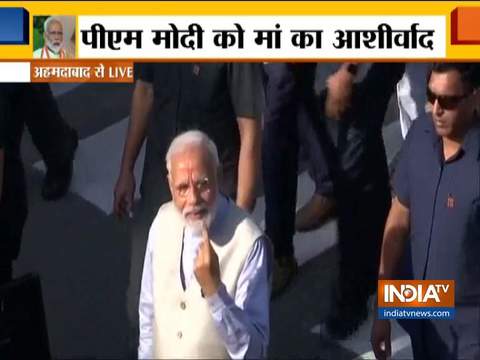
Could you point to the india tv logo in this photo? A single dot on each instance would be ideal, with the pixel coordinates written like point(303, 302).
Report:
point(416, 299)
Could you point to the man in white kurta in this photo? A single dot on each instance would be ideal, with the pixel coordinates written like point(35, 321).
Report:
point(205, 285)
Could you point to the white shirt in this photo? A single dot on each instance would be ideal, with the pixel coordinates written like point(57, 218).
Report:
point(243, 322)
point(411, 94)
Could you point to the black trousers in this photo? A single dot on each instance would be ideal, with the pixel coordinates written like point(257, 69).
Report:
point(291, 119)
point(13, 203)
point(51, 135)
point(35, 106)
point(361, 223)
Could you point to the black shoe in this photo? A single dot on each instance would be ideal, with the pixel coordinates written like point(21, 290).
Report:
point(58, 178)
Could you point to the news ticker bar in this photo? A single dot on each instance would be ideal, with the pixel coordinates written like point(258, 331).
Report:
point(262, 37)
point(416, 313)
point(240, 31)
point(66, 71)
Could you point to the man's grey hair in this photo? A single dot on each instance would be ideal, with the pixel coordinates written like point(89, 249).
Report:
point(188, 139)
point(49, 20)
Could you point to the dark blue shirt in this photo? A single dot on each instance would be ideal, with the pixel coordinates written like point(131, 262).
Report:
point(442, 198)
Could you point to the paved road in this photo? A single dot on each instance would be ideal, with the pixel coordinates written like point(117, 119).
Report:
point(82, 251)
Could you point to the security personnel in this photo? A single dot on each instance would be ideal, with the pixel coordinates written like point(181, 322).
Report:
point(361, 187)
point(13, 197)
point(437, 206)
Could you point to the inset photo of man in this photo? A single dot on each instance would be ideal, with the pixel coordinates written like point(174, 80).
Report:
point(54, 37)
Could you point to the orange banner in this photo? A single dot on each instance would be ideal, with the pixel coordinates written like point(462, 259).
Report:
point(464, 25)
point(81, 71)
point(416, 293)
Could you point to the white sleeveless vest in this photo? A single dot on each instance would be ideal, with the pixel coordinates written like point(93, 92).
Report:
point(183, 326)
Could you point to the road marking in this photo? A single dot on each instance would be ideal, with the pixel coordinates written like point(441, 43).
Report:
point(58, 89)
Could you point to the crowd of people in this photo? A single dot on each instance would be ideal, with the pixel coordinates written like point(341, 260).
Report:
point(219, 134)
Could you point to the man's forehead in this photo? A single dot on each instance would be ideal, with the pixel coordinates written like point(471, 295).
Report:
point(190, 166)
point(190, 162)
point(448, 81)
point(183, 174)
point(192, 156)
point(55, 23)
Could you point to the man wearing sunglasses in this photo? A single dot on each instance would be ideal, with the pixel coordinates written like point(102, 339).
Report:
point(437, 207)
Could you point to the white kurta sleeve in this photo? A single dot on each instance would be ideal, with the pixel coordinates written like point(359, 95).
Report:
point(243, 322)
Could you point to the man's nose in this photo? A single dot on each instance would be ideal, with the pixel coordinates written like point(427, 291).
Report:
point(437, 109)
point(193, 196)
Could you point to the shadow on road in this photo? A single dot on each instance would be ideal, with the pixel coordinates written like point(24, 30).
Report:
point(302, 307)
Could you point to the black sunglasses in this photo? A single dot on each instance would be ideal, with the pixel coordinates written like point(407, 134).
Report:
point(447, 102)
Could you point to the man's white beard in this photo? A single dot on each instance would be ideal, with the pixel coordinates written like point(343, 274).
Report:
point(196, 226)
point(54, 48)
